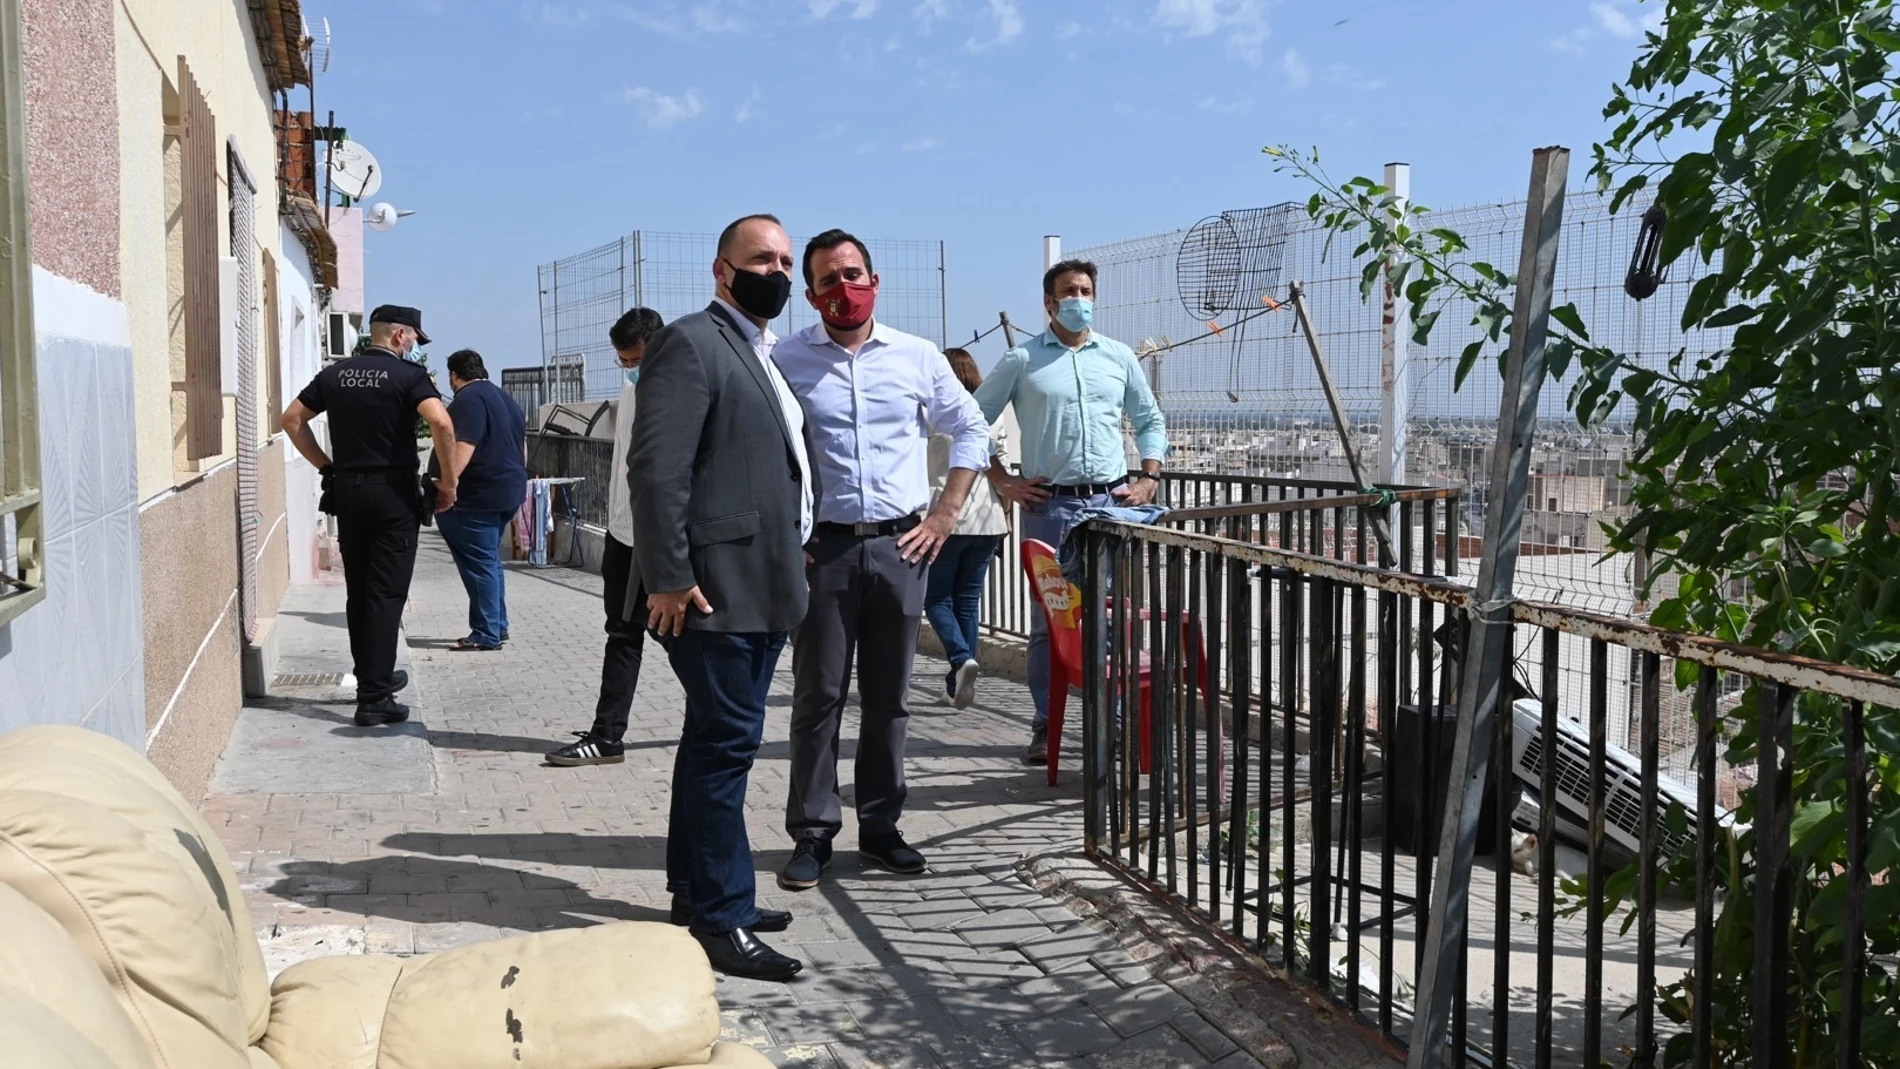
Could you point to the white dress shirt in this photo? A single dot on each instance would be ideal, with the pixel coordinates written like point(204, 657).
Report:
point(872, 413)
point(619, 497)
point(763, 341)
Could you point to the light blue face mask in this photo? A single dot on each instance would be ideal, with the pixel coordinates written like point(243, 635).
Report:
point(1075, 313)
point(633, 375)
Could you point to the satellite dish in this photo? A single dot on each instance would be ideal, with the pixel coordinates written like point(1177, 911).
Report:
point(383, 215)
point(354, 172)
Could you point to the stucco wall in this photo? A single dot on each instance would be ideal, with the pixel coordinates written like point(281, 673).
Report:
point(72, 126)
point(302, 353)
point(216, 38)
point(193, 671)
point(273, 539)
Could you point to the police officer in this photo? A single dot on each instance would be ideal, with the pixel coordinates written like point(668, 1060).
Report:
point(371, 488)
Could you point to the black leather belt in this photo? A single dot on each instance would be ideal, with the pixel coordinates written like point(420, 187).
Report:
point(1086, 489)
point(375, 477)
point(883, 529)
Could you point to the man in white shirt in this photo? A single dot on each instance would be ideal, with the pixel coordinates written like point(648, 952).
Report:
point(603, 743)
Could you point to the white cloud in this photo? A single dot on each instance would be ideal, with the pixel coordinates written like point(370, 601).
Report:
point(661, 110)
point(1618, 19)
point(1240, 24)
point(708, 18)
point(1239, 106)
point(1614, 22)
point(923, 144)
point(1068, 30)
point(748, 110)
point(1009, 26)
point(929, 11)
point(860, 9)
point(1298, 74)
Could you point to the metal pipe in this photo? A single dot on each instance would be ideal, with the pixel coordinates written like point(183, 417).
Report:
point(1488, 650)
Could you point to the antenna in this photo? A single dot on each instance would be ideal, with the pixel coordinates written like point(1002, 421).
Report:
point(354, 171)
point(383, 215)
point(322, 51)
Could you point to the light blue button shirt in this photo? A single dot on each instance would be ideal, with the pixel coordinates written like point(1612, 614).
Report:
point(1069, 406)
point(871, 417)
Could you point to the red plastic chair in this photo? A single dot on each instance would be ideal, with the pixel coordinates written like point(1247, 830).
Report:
point(1061, 605)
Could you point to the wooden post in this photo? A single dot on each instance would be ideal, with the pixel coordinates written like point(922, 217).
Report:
point(1487, 653)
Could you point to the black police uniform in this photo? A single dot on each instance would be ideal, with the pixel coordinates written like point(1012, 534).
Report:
point(371, 488)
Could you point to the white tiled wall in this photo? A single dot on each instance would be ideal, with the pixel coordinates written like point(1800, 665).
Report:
point(77, 657)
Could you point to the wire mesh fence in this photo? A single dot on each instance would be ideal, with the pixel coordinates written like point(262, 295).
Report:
point(672, 273)
point(1247, 400)
point(1242, 397)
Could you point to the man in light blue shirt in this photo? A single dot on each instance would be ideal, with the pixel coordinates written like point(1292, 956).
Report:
point(872, 397)
point(1071, 388)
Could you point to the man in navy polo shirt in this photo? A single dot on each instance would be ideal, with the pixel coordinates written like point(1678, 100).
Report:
point(492, 480)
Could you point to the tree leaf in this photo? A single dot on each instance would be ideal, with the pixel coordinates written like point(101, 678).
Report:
point(1567, 315)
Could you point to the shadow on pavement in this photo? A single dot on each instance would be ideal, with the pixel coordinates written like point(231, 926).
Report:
point(424, 890)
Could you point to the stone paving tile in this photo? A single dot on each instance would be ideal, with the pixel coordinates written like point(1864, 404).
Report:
point(1157, 1048)
point(962, 967)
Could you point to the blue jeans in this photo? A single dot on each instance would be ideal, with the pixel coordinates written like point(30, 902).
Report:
point(953, 599)
point(708, 856)
point(474, 540)
point(1050, 524)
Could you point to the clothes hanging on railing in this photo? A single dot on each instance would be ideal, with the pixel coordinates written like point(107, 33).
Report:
point(1069, 554)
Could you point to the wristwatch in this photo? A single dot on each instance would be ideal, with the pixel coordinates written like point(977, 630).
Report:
point(1146, 475)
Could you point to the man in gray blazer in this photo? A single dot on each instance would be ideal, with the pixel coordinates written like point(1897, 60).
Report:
point(721, 487)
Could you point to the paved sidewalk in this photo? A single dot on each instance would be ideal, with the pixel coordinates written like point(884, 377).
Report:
point(965, 966)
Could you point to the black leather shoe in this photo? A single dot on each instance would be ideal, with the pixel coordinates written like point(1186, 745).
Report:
point(807, 865)
point(378, 713)
point(892, 853)
point(398, 682)
point(770, 920)
point(739, 953)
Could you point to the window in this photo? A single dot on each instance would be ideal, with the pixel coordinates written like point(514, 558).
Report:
point(21, 533)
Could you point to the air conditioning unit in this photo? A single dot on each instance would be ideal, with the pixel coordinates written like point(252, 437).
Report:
point(1569, 752)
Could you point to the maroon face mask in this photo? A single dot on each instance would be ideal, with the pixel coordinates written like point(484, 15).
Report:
point(848, 304)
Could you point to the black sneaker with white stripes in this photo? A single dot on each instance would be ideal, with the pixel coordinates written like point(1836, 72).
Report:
point(588, 749)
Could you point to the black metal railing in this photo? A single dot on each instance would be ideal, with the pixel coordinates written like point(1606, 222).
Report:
point(1291, 801)
point(1309, 515)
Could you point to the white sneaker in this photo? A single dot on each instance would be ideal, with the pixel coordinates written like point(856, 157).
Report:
point(966, 685)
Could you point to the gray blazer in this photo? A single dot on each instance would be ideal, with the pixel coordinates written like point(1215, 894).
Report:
point(714, 481)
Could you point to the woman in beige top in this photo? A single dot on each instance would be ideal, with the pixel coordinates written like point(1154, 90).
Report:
point(953, 601)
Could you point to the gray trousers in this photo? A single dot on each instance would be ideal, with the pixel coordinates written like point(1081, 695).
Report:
point(865, 602)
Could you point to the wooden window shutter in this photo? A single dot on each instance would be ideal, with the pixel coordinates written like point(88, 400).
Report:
point(204, 389)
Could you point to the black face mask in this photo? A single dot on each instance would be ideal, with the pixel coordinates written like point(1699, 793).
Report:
point(764, 295)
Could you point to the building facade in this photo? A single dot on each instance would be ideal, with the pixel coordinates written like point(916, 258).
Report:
point(176, 287)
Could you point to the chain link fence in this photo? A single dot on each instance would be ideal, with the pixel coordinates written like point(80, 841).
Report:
point(672, 273)
point(1248, 401)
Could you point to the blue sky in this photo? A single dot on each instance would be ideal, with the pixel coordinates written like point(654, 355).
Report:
point(520, 132)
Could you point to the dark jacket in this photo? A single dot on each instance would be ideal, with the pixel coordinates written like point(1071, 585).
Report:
point(714, 480)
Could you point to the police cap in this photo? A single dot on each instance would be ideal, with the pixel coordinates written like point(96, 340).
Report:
point(398, 315)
